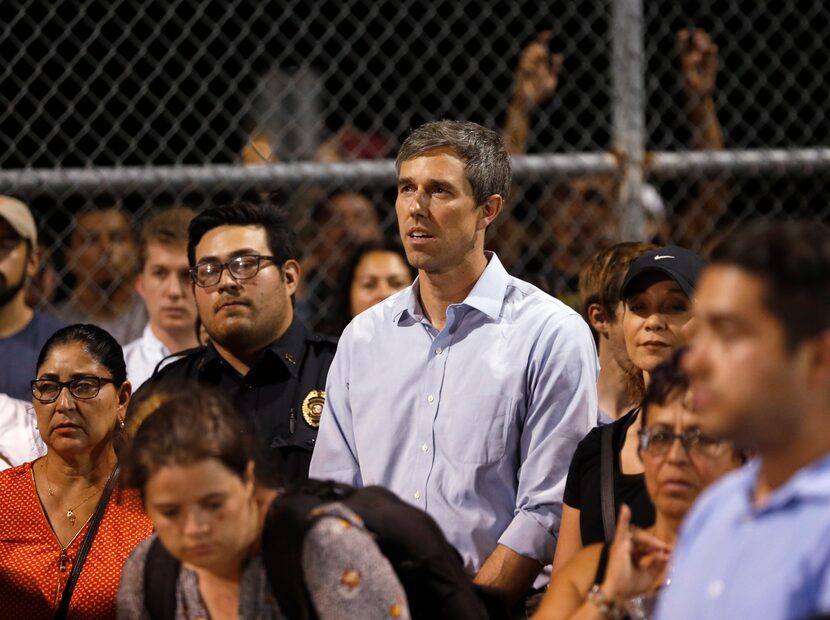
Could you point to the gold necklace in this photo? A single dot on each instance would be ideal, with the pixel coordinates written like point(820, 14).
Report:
point(70, 512)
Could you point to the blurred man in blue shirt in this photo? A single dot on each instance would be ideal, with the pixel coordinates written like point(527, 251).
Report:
point(467, 392)
point(757, 545)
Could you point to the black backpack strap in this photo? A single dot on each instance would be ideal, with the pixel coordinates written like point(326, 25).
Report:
point(86, 544)
point(161, 578)
point(606, 481)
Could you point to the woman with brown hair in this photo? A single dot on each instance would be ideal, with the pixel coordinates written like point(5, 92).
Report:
point(196, 475)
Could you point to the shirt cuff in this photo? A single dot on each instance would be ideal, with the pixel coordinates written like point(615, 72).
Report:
point(527, 537)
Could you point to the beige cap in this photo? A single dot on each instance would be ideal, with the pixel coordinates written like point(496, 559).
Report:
point(17, 214)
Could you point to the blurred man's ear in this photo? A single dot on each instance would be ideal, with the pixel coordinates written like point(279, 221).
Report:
point(35, 260)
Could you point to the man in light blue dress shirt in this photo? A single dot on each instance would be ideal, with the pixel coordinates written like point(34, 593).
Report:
point(466, 393)
point(757, 544)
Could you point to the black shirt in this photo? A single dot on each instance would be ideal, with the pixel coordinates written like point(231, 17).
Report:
point(279, 400)
point(582, 489)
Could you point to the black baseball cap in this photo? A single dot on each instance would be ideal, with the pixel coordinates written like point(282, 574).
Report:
point(681, 265)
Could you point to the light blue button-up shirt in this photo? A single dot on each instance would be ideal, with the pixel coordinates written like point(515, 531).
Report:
point(737, 561)
point(476, 424)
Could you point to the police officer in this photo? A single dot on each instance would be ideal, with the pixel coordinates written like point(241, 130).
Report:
point(243, 263)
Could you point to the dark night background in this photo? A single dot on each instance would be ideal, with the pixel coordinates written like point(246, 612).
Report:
point(101, 83)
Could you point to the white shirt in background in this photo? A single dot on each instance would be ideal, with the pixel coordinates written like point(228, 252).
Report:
point(142, 356)
point(20, 440)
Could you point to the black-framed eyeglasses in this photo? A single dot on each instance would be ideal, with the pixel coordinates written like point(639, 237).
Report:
point(84, 388)
point(244, 267)
point(658, 442)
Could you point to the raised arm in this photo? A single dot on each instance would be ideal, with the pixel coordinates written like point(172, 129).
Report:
point(535, 80)
point(699, 66)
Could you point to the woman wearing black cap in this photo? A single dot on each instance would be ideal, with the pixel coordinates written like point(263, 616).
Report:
point(656, 295)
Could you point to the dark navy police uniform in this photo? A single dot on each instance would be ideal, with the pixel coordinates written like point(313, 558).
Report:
point(280, 399)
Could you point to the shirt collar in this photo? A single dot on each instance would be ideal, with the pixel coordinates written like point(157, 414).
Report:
point(289, 349)
point(151, 341)
point(486, 296)
point(811, 482)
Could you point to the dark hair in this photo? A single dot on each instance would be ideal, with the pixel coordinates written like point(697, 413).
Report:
point(341, 311)
point(168, 227)
point(97, 342)
point(486, 162)
point(274, 220)
point(180, 426)
point(792, 258)
point(667, 379)
point(601, 276)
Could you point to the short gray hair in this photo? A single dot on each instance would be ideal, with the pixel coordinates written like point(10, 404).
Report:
point(486, 162)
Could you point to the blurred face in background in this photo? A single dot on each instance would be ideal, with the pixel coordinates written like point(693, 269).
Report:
point(101, 248)
point(165, 286)
point(16, 262)
point(654, 318)
point(580, 215)
point(378, 275)
point(350, 220)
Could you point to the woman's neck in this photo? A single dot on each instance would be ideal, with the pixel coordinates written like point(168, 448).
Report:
point(69, 469)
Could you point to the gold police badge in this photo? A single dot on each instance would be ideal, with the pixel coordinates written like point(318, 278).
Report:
point(313, 407)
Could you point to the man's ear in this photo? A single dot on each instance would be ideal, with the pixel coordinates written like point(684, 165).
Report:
point(490, 210)
point(35, 261)
point(291, 275)
point(819, 352)
point(598, 319)
point(139, 284)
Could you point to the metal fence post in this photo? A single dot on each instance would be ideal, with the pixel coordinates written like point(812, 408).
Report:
point(628, 112)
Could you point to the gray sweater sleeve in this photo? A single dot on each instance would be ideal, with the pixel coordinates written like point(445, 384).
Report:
point(130, 603)
point(346, 574)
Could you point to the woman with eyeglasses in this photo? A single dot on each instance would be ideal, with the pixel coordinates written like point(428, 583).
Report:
point(67, 506)
point(679, 460)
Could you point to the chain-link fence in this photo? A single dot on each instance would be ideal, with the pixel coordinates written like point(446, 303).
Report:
point(649, 119)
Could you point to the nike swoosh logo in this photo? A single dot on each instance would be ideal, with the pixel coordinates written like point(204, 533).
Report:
point(661, 256)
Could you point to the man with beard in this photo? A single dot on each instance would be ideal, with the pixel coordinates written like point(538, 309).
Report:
point(102, 253)
point(244, 267)
point(22, 330)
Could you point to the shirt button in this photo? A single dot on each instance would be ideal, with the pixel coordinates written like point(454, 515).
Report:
point(417, 495)
point(715, 588)
point(430, 398)
point(439, 351)
point(424, 447)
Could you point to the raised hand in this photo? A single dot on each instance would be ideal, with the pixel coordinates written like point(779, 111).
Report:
point(636, 560)
point(537, 73)
point(698, 61)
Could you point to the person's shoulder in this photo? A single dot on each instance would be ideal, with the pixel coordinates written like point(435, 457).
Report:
point(184, 364)
point(131, 348)
point(322, 342)
point(589, 445)
point(13, 478)
point(46, 322)
point(380, 316)
point(14, 411)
